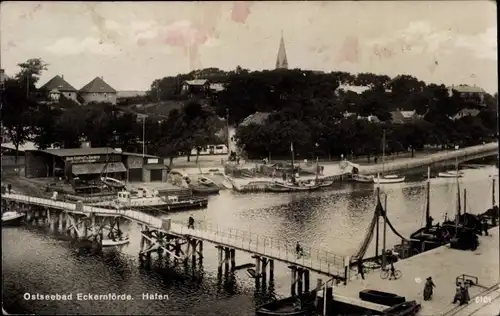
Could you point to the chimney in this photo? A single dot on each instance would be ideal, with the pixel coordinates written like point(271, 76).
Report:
point(62, 76)
point(102, 78)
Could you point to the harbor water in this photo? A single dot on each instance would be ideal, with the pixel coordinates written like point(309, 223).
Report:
point(336, 220)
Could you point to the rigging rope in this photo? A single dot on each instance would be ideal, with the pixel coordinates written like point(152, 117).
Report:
point(363, 247)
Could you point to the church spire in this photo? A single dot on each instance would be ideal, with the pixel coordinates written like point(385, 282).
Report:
point(281, 60)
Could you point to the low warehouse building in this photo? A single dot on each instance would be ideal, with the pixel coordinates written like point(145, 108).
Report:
point(92, 163)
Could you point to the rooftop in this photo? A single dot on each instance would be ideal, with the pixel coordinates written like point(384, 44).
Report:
point(256, 118)
point(98, 85)
point(196, 82)
point(67, 152)
point(467, 89)
point(58, 83)
point(444, 265)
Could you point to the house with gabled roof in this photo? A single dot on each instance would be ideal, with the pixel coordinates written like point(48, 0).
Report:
point(404, 117)
point(468, 93)
point(57, 86)
point(98, 91)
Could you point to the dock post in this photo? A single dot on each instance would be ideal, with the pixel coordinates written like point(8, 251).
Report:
point(227, 255)
point(319, 284)
point(294, 279)
point(257, 266)
point(52, 221)
point(264, 269)
point(233, 259)
point(177, 247)
point(200, 249)
point(193, 249)
point(84, 228)
point(92, 221)
point(143, 240)
point(221, 260)
point(271, 269)
point(61, 220)
point(300, 272)
point(306, 281)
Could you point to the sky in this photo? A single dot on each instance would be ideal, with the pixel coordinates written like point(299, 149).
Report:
point(130, 44)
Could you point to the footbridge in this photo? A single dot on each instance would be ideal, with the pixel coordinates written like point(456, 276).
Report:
point(440, 159)
point(180, 242)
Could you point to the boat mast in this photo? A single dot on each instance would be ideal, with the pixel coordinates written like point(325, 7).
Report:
point(383, 153)
point(317, 169)
point(378, 220)
point(457, 215)
point(427, 206)
point(493, 192)
point(465, 201)
point(293, 168)
point(384, 258)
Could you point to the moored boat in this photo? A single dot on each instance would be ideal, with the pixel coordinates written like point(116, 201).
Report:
point(299, 187)
point(290, 306)
point(382, 298)
point(12, 218)
point(113, 183)
point(388, 179)
point(450, 174)
point(362, 178)
point(144, 200)
point(204, 189)
point(115, 243)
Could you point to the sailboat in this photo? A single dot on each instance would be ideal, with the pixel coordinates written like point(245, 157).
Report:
point(296, 185)
point(386, 179)
point(430, 236)
point(491, 215)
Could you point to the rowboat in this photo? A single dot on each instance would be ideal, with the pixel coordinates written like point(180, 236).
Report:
point(204, 189)
point(389, 179)
point(450, 174)
point(285, 187)
point(362, 178)
point(114, 243)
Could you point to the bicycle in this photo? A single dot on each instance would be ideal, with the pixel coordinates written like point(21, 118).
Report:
point(385, 273)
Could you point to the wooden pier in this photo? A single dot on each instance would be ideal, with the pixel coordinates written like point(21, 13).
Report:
point(177, 240)
point(444, 265)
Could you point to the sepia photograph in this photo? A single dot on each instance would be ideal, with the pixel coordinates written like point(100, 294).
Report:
point(241, 158)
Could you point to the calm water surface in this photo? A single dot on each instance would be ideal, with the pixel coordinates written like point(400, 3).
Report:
point(36, 262)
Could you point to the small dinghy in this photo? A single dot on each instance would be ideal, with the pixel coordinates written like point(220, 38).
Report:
point(362, 178)
point(388, 179)
point(12, 218)
point(382, 298)
point(290, 306)
point(115, 243)
point(450, 174)
point(204, 189)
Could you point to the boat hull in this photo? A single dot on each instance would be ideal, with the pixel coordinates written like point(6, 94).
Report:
point(389, 180)
point(362, 179)
point(204, 190)
point(13, 220)
point(284, 188)
point(382, 298)
point(449, 175)
point(285, 307)
point(114, 243)
point(191, 204)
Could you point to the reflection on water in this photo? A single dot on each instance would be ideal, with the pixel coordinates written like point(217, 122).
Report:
point(335, 221)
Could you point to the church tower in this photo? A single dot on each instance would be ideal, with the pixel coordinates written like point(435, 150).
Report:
point(281, 61)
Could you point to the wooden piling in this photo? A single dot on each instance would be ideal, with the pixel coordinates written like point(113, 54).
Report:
point(221, 259)
point(61, 221)
point(294, 279)
point(300, 272)
point(264, 269)
point(306, 281)
point(233, 259)
point(271, 269)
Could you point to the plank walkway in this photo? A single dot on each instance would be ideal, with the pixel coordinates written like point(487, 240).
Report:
point(315, 260)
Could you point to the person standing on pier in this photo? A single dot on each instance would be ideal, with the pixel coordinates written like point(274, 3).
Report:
point(428, 289)
point(361, 269)
point(9, 188)
point(298, 249)
point(458, 294)
point(191, 222)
